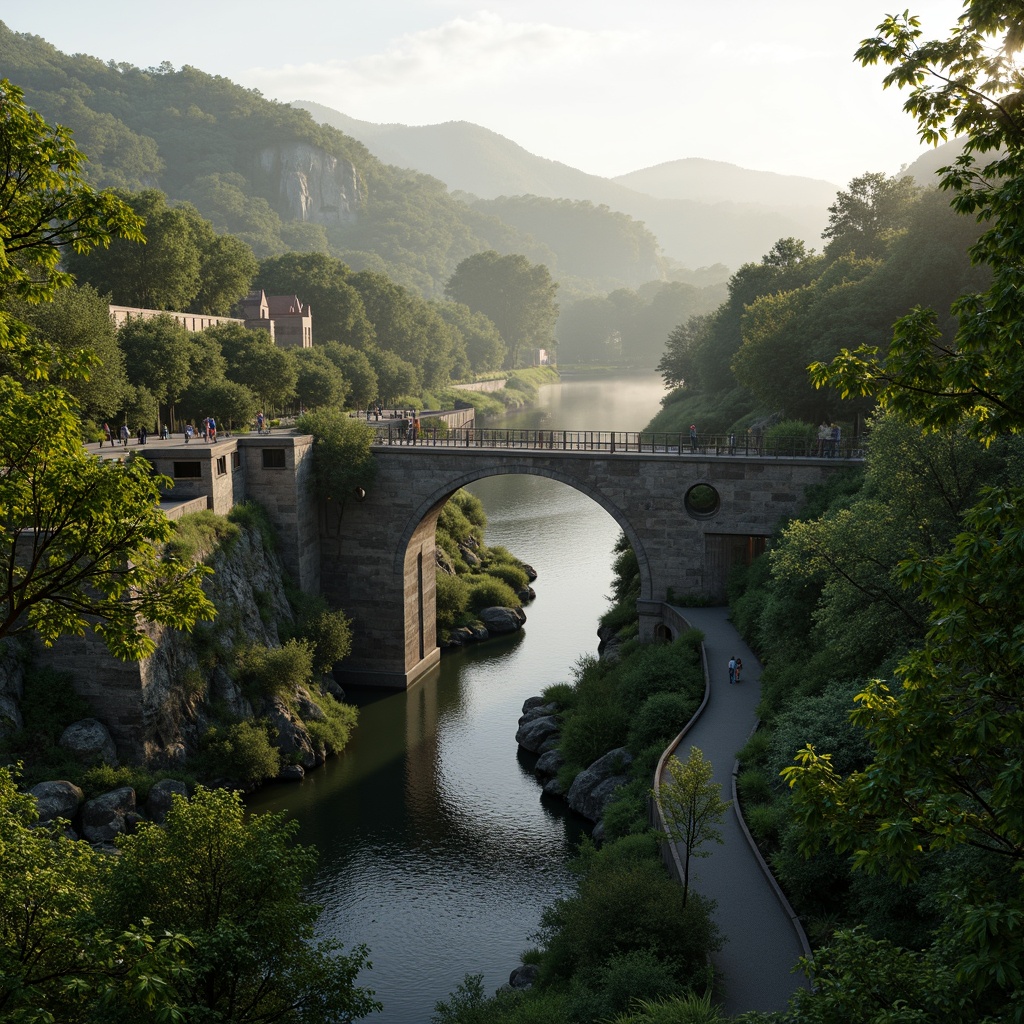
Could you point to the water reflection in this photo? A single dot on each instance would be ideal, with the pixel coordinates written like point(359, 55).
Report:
point(435, 847)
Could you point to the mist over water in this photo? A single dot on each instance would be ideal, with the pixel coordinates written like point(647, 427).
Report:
point(436, 850)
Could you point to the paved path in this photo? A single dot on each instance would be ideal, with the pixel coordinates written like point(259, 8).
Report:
point(762, 943)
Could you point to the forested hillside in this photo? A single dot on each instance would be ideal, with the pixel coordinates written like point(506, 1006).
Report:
point(695, 225)
point(269, 174)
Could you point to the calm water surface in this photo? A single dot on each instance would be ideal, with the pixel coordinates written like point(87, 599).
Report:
point(435, 848)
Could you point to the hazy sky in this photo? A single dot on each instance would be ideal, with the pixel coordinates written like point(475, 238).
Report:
point(607, 86)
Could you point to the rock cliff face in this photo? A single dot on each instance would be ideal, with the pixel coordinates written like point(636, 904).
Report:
point(312, 185)
point(157, 709)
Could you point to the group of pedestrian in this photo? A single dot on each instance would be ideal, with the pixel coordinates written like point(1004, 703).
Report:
point(409, 429)
point(828, 439)
point(735, 668)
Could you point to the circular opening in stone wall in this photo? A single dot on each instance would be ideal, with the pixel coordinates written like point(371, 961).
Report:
point(702, 501)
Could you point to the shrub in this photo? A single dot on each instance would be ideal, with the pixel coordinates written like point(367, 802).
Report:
point(790, 437)
point(485, 592)
point(452, 599)
point(515, 577)
point(753, 787)
point(241, 752)
point(276, 671)
point(660, 718)
point(330, 635)
point(198, 534)
point(333, 733)
point(562, 694)
point(251, 515)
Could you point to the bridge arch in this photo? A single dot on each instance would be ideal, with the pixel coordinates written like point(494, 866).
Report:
point(377, 555)
point(434, 502)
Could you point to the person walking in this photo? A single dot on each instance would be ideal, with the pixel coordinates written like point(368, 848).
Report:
point(693, 437)
point(259, 423)
point(732, 669)
point(106, 434)
point(739, 668)
point(415, 428)
point(125, 434)
point(189, 431)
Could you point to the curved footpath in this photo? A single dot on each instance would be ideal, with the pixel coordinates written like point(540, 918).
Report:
point(762, 936)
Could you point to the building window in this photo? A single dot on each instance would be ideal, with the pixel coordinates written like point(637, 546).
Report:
point(236, 460)
point(188, 471)
point(222, 465)
point(273, 458)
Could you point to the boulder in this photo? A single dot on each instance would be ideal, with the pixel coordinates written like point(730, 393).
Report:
point(593, 788)
point(308, 709)
point(610, 642)
point(524, 976)
point(532, 710)
point(526, 594)
point(11, 721)
point(533, 702)
point(502, 620)
point(548, 764)
point(106, 817)
point(553, 788)
point(531, 573)
point(533, 734)
point(291, 773)
point(57, 799)
point(89, 741)
point(293, 739)
point(161, 797)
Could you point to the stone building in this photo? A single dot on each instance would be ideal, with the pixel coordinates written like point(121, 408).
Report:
point(288, 322)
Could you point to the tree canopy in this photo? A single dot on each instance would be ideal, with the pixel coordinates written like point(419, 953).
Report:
point(517, 296)
point(79, 535)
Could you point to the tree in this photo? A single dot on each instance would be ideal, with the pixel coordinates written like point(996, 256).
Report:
point(396, 378)
point(269, 372)
point(946, 772)
point(356, 370)
point(677, 366)
point(73, 320)
point(692, 807)
point(158, 357)
point(480, 338)
point(319, 381)
point(161, 272)
point(57, 961)
point(342, 459)
point(866, 219)
point(46, 208)
point(78, 535)
point(233, 884)
point(517, 296)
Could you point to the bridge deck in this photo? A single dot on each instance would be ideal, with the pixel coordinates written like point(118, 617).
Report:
point(612, 442)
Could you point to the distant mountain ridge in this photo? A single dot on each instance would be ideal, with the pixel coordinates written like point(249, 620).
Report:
point(702, 211)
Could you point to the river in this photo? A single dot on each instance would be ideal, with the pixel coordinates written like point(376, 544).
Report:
point(435, 847)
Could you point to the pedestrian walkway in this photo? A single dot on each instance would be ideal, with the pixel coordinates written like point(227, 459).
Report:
point(762, 939)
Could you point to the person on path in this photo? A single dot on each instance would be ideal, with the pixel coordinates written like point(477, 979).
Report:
point(693, 437)
point(106, 434)
point(403, 430)
point(739, 668)
point(732, 670)
point(415, 428)
point(124, 434)
point(189, 431)
point(213, 429)
point(259, 423)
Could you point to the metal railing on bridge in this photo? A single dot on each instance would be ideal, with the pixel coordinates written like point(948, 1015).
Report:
point(616, 442)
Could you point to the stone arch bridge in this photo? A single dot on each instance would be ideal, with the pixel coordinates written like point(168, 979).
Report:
point(689, 517)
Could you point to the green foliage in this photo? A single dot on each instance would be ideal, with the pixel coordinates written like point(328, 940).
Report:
point(198, 534)
point(624, 903)
point(102, 778)
point(333, 733)
point(330, 635)
point(517, 296)
point(452, 593)
point(241, 753)
point(233, 884)
point(692, 807)
point(507, 573)
point(342, 459)
point(660, 717)
point(277, 671)
point(685, 1009)
point(487, 592)
point(252, 516)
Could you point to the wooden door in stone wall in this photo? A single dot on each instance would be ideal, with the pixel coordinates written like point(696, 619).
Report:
point(721, 552)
